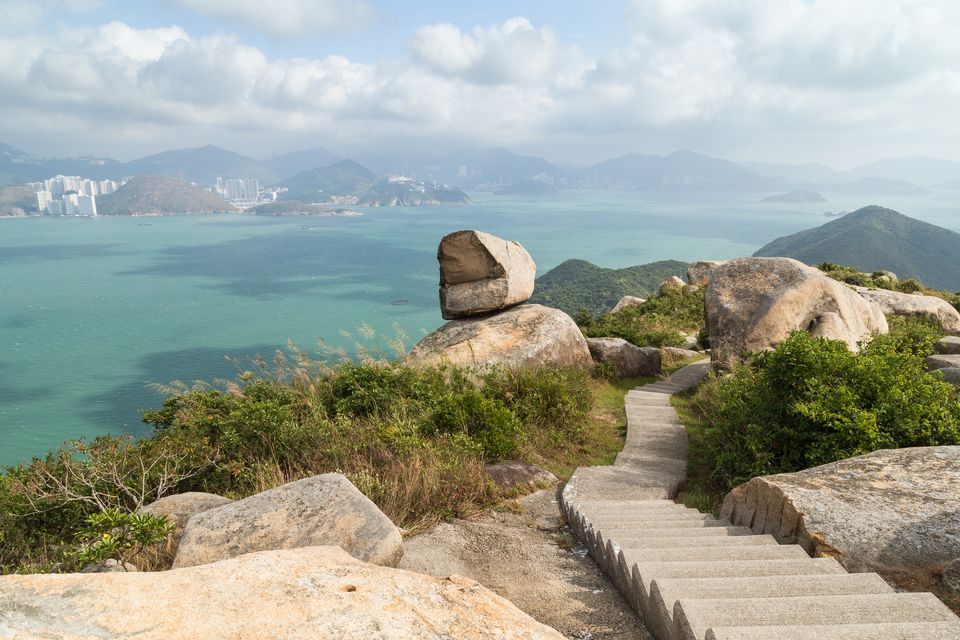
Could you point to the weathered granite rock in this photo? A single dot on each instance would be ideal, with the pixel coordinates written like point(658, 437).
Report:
point(754, 303)
point(943, 361)
point(699, 272)
point(295, 594)
point(510, 474)
point(480, 273)
point(690, 341)
point(951, 375)
point(681, 354)
point(107, 566)
point(950, 579)
point(948, 346)
point(912, 305)
point(630, 360)
point(890, 511)
point(627, 301)
point(671, 284)
point(321, 510)
point(527, 335)
point(179, 507)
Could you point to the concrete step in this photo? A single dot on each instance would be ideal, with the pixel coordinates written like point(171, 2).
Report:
point(697, 542)
point(665, 592)
point(692, 618)
point(634, 511)
point(641, 536)
point(683, 513)
point(716, 554)
point(882, 631)
point(667, 523)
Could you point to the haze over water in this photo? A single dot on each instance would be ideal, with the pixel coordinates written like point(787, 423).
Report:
point(92, 310)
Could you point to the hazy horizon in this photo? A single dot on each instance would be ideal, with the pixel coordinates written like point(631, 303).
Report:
point(838, 83)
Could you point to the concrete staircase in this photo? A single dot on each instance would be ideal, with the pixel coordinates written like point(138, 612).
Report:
point(693, 577)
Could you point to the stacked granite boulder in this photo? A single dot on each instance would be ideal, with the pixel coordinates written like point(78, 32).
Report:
point(484, 283)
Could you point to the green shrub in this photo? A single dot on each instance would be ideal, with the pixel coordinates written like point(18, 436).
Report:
point(117, 535)
point(490, 424)
point(811, 401)
point(657, 322)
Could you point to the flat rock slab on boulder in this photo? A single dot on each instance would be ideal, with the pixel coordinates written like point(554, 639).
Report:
point(629, 360)
point(682, 354)
point(480, 273)
point(949, 345)
point(295, 594)
point(627, 301)
point(945, 361)
point(527, 335)
point(322, 510)
point(511, 474)
point(753, 304)
point(894, 511)
point(906, 304)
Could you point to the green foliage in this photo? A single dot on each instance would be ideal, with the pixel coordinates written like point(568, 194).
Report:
point(577, 285)
point(811, 401)
point(117, 535)
point(657, 322)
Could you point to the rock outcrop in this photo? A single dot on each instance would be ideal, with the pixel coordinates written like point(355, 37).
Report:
point(672, 283)
point(321, 510)
point(629, 360)
point(951, 375)
point(914, 305)
point(699, 272)
point(515, 474)
point(527, 335)
point(480, 273)
point(890, 511)
point(295, 594)
point(180, 507)
point(754, 303)
point(627, 301)
point(948, 346)
point(943, 361)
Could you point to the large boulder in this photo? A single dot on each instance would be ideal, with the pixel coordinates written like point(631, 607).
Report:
point(699, 272)
point(627, 301)
point(179, 507)
point(321, 510)
point(480, 273)
point(516, 474)
point(914, 305)
point(295, 594)
point(950, 374)
point(530, 334)
point(753, 304)
point(943, 361)
point(893, 511)
point(629, 360)
point(948, 346)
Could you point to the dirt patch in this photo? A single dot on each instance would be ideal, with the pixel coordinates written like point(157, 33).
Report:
point(526, 556)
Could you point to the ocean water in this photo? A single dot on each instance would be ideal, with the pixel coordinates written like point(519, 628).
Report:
point(93, 310)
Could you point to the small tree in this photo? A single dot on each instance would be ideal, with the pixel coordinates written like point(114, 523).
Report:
point(115, 535)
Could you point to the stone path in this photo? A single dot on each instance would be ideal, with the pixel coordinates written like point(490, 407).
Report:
point(693, 577)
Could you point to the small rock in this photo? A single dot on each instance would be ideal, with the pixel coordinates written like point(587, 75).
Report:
point(627, 301)
point(949, 346)
point(914, 305)
point(480, 273)
point(508, 474)
point(671, 284)
point(950, 374)
point(681, 354)
point(947, 361)
point(321, 510)
point(630, 360)
point(181, 506)
point(110, 566)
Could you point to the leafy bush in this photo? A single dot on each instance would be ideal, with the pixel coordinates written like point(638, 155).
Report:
point(117, 535)
point(811, 401)
point(657, 322)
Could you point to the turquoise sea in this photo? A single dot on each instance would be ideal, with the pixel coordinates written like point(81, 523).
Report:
point(92, 310)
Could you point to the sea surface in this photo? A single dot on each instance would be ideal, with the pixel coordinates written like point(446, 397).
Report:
point(94, 310)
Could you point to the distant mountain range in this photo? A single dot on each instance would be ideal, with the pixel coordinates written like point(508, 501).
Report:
point(873, 239)
point(498, 169)
point(574, 285)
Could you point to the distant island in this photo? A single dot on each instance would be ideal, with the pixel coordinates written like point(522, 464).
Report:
point(297, 208)
point(796, 197)
point(157, 195)
point(873, 239)
point(527, 188)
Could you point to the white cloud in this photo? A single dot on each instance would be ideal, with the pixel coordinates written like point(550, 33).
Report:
point(286, 18)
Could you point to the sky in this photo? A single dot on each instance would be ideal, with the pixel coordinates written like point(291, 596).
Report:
point(840, 82)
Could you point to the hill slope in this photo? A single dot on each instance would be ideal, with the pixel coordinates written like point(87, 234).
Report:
point(875, 238)
point(202, 163)
point(319, 185)
point(156, 194)
point(577, 284)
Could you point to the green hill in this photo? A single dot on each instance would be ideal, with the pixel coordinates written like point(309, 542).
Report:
point(158, 195)
point(874, 239)
point(344, 178)
point(577, 284)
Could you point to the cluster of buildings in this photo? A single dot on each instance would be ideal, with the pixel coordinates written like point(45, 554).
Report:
point(70, 195)
point(243, 193)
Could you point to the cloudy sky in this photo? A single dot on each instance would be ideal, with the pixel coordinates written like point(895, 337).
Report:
point(833, 81)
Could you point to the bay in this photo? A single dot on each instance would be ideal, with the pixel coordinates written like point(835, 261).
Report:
point(93, 310)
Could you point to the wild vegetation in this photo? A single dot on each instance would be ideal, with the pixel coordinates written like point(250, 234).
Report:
point(883, 280)
point(414, 441)
point(811, 401)
point(657, 322)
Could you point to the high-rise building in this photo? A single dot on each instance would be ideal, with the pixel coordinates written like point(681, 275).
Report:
point(44, 198)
